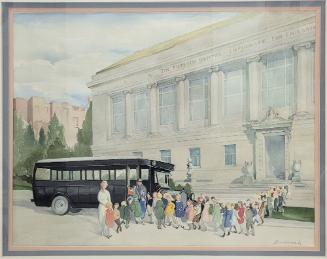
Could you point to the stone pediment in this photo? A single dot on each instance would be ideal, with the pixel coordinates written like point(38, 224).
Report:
point(271, 120)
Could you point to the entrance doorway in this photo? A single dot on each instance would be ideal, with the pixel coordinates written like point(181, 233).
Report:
point(275, 156)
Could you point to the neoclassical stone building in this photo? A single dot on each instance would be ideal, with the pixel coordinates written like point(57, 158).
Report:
point(235, 91)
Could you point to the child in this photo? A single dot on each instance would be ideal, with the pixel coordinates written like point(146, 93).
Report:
point(143, 207)
point(240, 216)
point(179, 211)
point(149, 210)
point(189, 214)
point(110, 218)
point(159, 210)
point(125, 213)
point(216, 215)
point(169, 211)
point(227, 216)
point(117, 217)
point(197, 215)
point(136, 207)
point(205, 217)
point(249, 219)
point(234, 222)
point(130, 191)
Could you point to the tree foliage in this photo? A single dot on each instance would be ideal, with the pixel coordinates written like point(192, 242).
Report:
point(84, 136)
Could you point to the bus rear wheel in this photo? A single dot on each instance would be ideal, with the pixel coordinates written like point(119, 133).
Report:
point(60, 205)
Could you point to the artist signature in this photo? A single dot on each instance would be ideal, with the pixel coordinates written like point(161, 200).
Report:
point(280, 242)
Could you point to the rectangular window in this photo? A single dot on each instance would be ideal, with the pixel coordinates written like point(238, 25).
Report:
point(120, 174)
point(167, 104)
point(118, 111)
point(195, 157)
point(233, 92)
point(132, 174)
point(198, 98)
point(278, 79)
point(83, 175)
point(65, 175)
point(96, 174)
point(165, 155)
point(141, 110)
point(42, 174)
point(112, 175)
point(76, 175)
point(105, 175)
point(145, 174)
point(89, 174)
point(230, 155)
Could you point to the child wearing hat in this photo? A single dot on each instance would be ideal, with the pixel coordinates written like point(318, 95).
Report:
point(189, 214)
point(169, 211)
point(117, 217)
point(179, 211)
point(159, 210)
point(136, 207)
point(110, 217)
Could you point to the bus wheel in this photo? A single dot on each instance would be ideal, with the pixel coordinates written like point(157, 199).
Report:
point(60, 205)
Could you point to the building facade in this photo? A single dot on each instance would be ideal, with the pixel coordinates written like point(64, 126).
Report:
point(38, 112)
point(238, 90)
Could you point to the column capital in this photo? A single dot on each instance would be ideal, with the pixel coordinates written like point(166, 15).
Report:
point(214, 69)
point(256, 58)
point(152, 85)
point(304, 45)
point(125, 92)
point(180, 78)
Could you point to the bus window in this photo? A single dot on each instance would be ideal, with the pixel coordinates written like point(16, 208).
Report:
point(65, 175)
point(105, 175)
point(96, 174)
point(132, 174)
point(112, 175)
point(59, 175)
point(145, 174)
point(53, 175)
point(83, 175)
point(42, 174)
point(76, 175)
point(89, 174)
point(120, 174)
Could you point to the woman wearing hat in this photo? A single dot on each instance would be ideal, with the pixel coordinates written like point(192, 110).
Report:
point(104, 200)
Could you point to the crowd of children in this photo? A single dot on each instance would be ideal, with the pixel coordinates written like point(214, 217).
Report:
point(167, 210)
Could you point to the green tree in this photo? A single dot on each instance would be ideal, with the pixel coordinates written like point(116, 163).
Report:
point(56, 143)
point(55, 131)
point(18, 134)
point(42, 138)
point(84, 136)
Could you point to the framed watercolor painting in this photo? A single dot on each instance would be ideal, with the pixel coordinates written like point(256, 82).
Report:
point(180, 128)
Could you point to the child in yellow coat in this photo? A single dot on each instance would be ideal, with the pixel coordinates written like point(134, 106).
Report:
point(169, 211)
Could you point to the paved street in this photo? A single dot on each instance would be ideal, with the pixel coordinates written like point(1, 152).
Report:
point(39, 226)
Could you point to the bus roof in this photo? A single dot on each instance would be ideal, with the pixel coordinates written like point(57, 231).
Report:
point(88, 162)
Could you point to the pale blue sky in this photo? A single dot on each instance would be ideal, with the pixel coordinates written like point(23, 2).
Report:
point(55, 55)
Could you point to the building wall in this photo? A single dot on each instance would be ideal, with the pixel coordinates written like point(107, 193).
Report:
point(215, 54)
point(38, 113)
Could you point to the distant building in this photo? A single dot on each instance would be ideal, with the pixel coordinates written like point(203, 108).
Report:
point(38, 112)
point(235, 91)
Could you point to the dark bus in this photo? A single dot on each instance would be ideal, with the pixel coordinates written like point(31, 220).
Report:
point(68, 183)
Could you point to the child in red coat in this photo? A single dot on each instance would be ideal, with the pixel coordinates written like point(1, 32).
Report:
point(110, 216)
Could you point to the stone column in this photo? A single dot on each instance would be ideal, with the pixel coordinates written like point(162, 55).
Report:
point(108, 113)
point(129, 113)
point(220, 102)
point(214, 95)
point(255, 86)
point(180, 81)
point(153, 108)
point(99, 125)
point(304, 76)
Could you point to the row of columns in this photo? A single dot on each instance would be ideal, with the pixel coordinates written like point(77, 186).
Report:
point(304, 81)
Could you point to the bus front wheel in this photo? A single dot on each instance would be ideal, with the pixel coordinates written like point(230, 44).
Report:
point(60, 205)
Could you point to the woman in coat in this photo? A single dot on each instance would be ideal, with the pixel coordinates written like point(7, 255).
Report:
point(104, 199)
point(227, 217)
point(159, 210)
